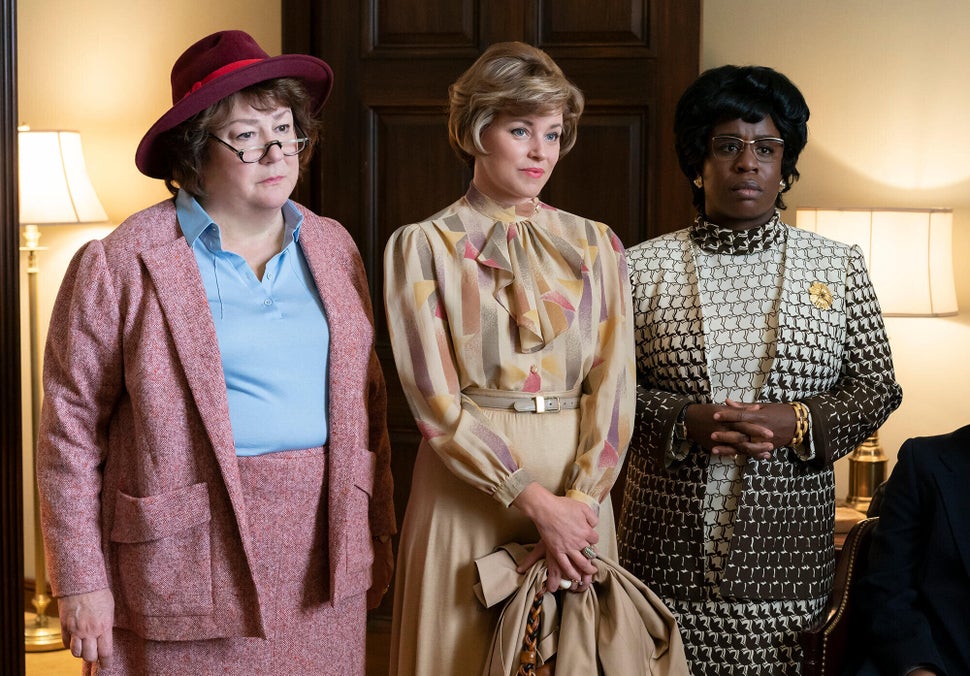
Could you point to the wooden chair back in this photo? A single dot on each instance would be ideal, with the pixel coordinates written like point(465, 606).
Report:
point(826, 647)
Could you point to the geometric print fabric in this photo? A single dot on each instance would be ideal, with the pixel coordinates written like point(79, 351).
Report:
point(836, 360)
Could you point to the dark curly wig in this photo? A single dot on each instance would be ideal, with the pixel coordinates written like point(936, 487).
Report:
point(749, 93)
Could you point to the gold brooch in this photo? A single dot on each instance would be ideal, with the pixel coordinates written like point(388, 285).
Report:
point(820, 295)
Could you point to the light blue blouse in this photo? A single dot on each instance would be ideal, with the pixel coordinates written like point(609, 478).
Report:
point(273, 336)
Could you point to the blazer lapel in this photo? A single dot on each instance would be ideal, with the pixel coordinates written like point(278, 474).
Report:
point(693, 326)
point(788, 300)
point(181, 294)
point(951, 478)
point(331, 267)
point(803, 264)
point(343, 361)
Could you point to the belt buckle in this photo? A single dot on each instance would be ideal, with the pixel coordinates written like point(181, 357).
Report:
point(547, 404)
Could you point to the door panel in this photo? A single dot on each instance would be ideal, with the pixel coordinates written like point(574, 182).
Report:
point(411, 139)
point(385, 159)
point(606, 162)
point(606, 22)
point(415, 23)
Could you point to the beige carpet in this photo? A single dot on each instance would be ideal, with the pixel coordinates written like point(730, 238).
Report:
point(54, 663)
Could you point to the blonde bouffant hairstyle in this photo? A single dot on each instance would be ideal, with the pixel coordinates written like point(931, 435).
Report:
point(513, 78)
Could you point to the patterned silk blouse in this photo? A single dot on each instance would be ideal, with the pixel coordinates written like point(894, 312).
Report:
point(479, 297)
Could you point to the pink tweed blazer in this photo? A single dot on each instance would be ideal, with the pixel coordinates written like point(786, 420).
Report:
point(137, 471)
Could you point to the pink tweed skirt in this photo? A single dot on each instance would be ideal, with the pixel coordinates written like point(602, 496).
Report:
point(306, 634)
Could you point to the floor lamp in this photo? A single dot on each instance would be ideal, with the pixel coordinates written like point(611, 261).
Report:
point(54, 189)
point(909, 254)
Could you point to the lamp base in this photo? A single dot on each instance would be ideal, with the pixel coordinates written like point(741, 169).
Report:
point(867, 470)
point(42, 633)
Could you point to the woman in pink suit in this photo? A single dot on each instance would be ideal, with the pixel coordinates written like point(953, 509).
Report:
point(213, 462)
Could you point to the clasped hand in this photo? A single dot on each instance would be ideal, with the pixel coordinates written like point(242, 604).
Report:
point(565, 527)
point(755, 430)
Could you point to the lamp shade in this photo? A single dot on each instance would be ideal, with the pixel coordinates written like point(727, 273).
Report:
point(909, 253)
point(54, 183)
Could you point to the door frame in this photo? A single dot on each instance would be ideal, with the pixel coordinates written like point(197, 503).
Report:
point(11, 441)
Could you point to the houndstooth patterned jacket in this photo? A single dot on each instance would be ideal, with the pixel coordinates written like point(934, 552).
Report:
point(836, 360)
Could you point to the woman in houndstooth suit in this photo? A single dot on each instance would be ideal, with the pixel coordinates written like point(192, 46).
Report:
point(761, 359)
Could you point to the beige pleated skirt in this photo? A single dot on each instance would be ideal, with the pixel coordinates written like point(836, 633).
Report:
point(287, 514)
point(439, 625)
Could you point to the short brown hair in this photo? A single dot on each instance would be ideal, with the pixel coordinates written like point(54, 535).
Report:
point(188, 144)
point(514, 78)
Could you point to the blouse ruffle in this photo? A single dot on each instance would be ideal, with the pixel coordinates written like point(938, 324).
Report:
point(539, 274)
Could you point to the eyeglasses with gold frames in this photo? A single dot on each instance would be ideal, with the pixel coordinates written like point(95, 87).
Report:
point(768, 150)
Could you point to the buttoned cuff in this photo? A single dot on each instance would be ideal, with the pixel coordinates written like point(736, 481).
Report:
point(509, 490)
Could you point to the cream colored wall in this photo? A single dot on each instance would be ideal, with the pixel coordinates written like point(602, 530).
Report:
point(886, 84)
point(104, 71)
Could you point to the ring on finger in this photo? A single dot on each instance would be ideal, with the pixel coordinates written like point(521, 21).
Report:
point(565, 584)
point(588, 552)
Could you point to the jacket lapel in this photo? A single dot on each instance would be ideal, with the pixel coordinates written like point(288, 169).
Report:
point(690, 324)
point(344, 362)
point(181, 294)
point(787, 301)
point(804, 264)
point(951, 478)
point(322, 261)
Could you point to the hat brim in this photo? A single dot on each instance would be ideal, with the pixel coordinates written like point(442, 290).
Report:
point(315, 73)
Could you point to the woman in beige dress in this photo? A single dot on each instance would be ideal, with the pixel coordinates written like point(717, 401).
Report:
point(510, 323)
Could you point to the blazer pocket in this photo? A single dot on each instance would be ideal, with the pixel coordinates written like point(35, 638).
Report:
point(360, 548)
point(162, 553)
point(365, 465)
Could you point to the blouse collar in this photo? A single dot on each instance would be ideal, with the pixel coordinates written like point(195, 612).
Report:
point(497, 212)
point(714, 239)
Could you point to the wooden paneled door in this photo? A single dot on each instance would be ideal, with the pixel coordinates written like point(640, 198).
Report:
point(385, 159)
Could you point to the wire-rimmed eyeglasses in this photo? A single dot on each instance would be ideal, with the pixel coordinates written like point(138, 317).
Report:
point(768, 149)
point(252, 155)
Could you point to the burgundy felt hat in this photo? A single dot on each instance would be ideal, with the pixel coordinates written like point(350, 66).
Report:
point(215, 67)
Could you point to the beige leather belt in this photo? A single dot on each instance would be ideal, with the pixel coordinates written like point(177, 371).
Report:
point(524, 402)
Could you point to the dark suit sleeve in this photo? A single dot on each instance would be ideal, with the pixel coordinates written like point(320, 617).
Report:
point(866, 392)
point(657, 412)
point(899, 633)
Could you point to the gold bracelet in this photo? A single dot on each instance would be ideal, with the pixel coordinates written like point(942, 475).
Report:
point(801, 415)
point(801, 422)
